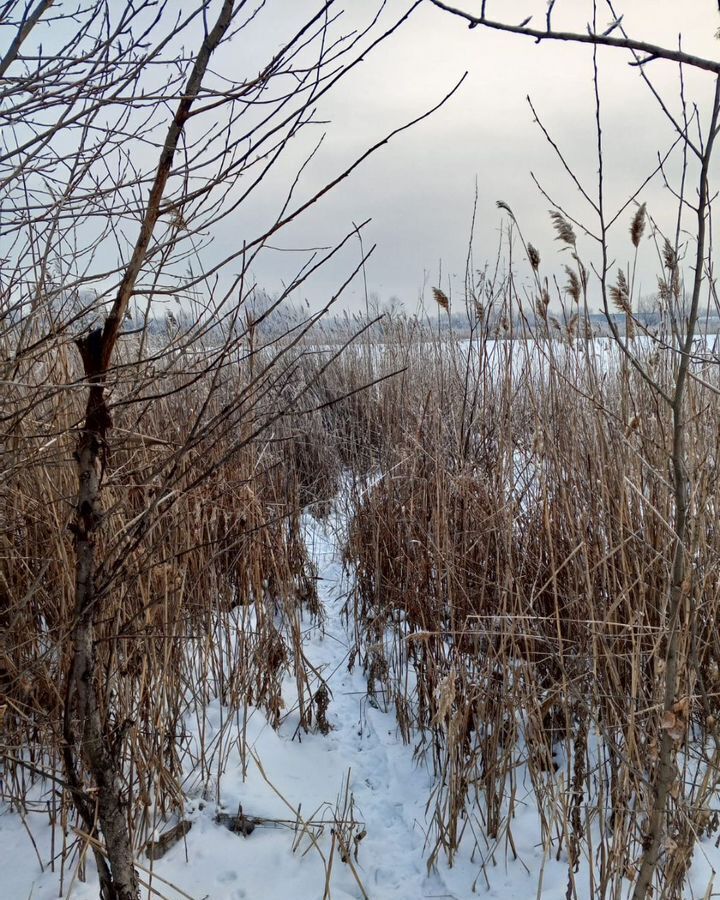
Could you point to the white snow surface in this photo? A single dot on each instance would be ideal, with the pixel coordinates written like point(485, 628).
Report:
point(390, 791)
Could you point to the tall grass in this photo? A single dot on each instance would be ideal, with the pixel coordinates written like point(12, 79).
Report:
point(205, 578)
point(509, 544)
point(511, 548)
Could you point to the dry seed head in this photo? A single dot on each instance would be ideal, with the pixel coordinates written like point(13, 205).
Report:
point(445, 696)
point(622, 283)
point(669, 256)
point(675, 285)
point(502, 205)
point(572, 327)
point(664, 292)
point(564, 229)
point(534, 257)
point(637, 227)
point(573, 285)
point(441, 299)
point(582, 271)
point(620, 293)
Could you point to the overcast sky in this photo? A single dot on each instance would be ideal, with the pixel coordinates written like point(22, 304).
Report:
point(419, 190)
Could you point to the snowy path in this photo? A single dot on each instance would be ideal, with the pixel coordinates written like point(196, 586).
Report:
point(308, 770)
point(390, 792)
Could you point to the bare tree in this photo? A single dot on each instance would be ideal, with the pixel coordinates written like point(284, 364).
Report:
point(695, 141)
point(123, 153)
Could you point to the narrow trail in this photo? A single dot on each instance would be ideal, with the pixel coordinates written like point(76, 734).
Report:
point(287, 776)
point(310, 771)
point(390, 791)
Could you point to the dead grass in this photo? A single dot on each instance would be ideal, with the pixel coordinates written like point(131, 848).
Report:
point(510, 542)
point(205, 578)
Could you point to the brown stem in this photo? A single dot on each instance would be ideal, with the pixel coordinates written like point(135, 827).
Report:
point(666, 767)
point(96, 349)
point(30, 22)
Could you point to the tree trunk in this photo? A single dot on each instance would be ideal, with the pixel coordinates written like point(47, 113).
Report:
point(101, 755)
point(82, 695)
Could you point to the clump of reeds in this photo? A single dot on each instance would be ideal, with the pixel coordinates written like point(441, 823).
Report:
point(204, 577)
point(511, 546)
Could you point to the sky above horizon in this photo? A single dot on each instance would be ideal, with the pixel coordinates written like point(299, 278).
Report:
point(422, 190)
point(419, 190)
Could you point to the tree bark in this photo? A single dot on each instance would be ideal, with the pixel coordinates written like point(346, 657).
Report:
point(681, 572)
point(101, 761)
point(100, 754)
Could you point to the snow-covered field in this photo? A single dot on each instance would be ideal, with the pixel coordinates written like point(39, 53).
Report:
point(296, 786)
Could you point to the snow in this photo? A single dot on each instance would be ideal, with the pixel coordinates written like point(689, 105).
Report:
point(292, 777)
point(305, 771)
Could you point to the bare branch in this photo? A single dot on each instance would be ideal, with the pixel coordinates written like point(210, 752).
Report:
point(653, 51)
